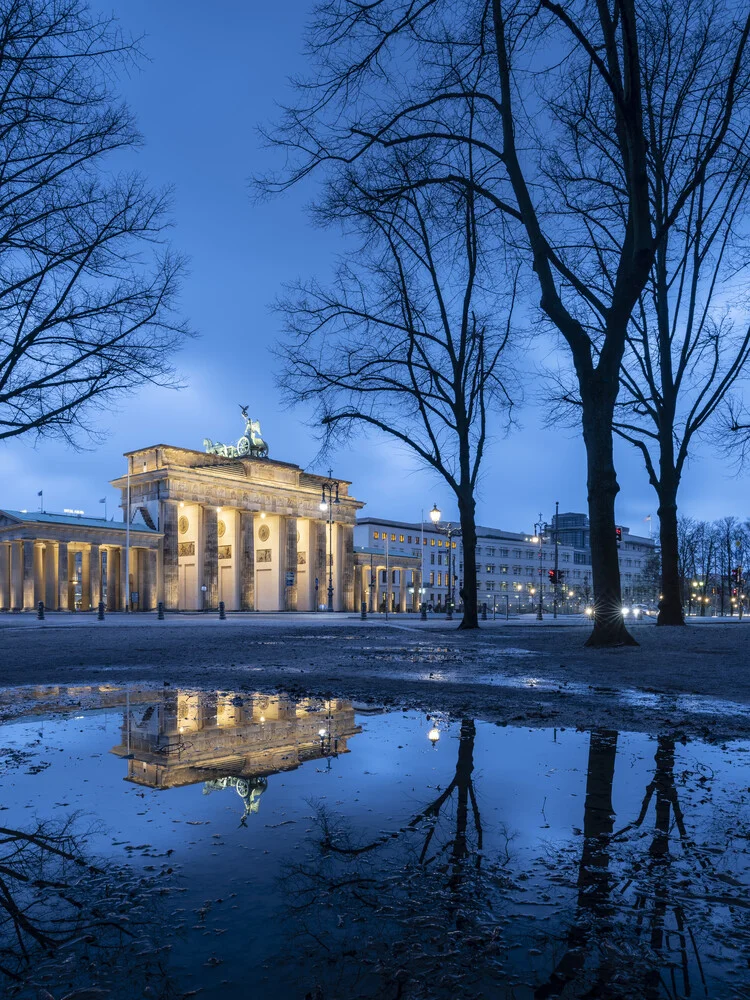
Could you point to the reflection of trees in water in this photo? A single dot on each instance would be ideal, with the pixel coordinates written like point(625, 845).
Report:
point(67, 924)
point(647, 902)
point(411, 907)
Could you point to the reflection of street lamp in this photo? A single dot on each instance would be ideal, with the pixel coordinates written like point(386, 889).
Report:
point(434, 734)
point(329, 495)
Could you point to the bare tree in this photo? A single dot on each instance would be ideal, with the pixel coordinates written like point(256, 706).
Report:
point(684, 351)
point(409, 340)
point(87, 286)
point(549, 98)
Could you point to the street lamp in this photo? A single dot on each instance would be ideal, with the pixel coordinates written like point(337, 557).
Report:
point(450, 531)
point(329, 495)
point(539, 537)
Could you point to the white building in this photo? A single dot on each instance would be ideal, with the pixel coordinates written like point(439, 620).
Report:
point(512, 567)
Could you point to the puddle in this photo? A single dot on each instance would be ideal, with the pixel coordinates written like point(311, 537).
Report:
point(156, 843)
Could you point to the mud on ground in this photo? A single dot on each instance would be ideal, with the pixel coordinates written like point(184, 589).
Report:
point(693, 681)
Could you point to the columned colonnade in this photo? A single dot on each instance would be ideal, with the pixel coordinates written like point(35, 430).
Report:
point(403, 582)
point(72, 563)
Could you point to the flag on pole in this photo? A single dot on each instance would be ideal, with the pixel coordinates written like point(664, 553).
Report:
point(40, 493)
point(103, 500)
point(647, 517)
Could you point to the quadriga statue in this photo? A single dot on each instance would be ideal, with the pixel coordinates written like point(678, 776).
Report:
point(250, 445)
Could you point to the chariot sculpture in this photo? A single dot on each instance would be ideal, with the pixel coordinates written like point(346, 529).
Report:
point(250, 445)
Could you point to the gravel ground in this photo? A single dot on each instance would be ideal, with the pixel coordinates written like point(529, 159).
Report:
point(694, 680)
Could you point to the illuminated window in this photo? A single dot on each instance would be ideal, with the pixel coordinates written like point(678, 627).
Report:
point(432, 541)
point(401, 538)
point(453, 544)
point(440, 541)
point(393, 537)
point(440, 579)
point(376, 534)
point(424, 541)
point(432, 583)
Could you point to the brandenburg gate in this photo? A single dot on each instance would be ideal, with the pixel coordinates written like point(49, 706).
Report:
point(224, 524)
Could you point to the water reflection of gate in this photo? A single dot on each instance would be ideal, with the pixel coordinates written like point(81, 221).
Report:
point(227, 739)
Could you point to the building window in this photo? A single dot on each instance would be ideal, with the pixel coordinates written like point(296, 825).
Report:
point(440, 580)
point(440, 542)
point(401, 538)
point(432, 541)
point(490, 568)
point(408, 539)
point(504, 569)
point(393, 537)
point(432, 583)
point(504, 553)
point(376, 534)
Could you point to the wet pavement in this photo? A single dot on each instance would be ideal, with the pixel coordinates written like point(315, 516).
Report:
point(158, 842)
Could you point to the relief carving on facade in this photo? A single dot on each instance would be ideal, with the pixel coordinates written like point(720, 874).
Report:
point(263, 555)
point(186, 548)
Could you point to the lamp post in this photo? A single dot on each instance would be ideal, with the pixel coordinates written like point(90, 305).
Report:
point(539, 537)
point(450, 532)
point(329, 495)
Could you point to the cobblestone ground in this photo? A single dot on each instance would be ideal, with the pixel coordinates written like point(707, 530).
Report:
point(694, 680)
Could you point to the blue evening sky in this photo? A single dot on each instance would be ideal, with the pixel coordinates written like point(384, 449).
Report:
point(216, 72)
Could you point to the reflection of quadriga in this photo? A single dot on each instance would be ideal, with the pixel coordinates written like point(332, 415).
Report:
point(248, 789)
point(250, 445)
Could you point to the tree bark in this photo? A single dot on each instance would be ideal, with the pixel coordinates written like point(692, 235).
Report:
point(466, 511)
point(609, 624)
point(670, 604)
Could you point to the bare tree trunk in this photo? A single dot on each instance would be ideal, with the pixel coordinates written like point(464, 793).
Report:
point(466, 510)
point(609, 625)
point(670, 605)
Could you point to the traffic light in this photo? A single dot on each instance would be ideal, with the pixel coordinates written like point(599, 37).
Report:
point(552, 577)
point(561, 576)
point(618, 535)
point(737, 574)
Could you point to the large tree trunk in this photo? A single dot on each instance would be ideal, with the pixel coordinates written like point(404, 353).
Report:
point(466, 511)
point(609, 625)
point(670, 605)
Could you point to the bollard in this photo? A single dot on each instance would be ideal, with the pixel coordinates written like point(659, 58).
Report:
point(363, 612)
point(160, 611)
point(40, 611)
point(423, 611)
point(484, 612)
point(100, 612)
point(222, 612)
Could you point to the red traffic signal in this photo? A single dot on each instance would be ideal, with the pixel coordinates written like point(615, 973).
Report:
point(618, 535)
point(552, 576)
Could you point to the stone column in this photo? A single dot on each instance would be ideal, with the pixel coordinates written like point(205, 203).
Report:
point(85, 579)
point(16, 575)
point(95, 574)
point(357, 589)
point(318, 549)
point(71, 580)
point(211, 557)
point(288, 561)
point(346, 541)
point(148, 573)
point(246, 556)
point(28, 575)
point(50, 572)
point(170, 563)
point(39, 578)
point(5, 599)
point(402, 590)
point(417, 578)
point(389, 586)
point(113, 573)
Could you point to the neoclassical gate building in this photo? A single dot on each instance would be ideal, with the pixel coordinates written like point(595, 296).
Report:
point(243, 530)
point(225, 524)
